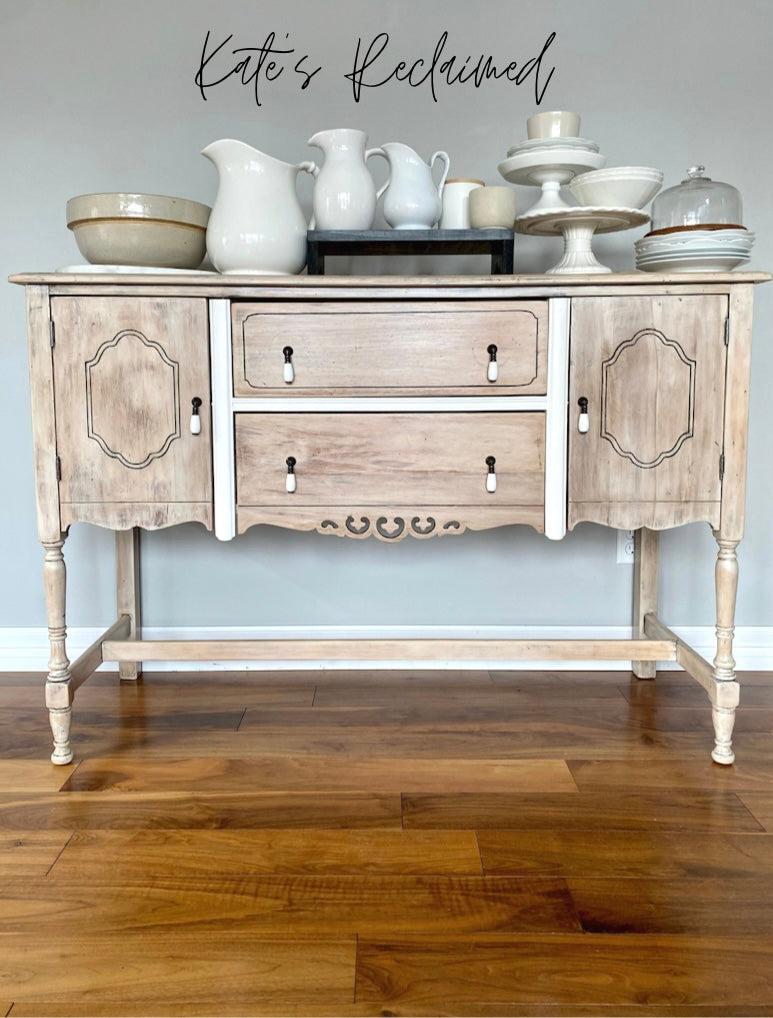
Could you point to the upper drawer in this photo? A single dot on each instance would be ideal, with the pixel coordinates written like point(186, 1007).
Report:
point(440, 348)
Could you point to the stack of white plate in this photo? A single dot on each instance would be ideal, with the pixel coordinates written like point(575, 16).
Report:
point(694, 250)
point(563, 143)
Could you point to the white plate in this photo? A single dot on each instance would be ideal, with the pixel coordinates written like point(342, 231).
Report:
point(558, 164)
point(696, 264)
point(708, 252)
point(134, 270)
point(603, 219)
point(542, 143)
point(699, 237)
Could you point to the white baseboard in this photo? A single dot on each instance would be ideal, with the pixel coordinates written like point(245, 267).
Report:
point(26, 649)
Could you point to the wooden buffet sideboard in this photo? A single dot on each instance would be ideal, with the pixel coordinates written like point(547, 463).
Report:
point(390, 407)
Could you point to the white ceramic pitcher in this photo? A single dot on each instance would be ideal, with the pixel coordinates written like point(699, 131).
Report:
point(413, 200)
point(256, 224)
point(344, 192)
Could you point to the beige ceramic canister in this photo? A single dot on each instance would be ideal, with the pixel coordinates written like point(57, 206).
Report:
point(492, 207)
point(456, 211)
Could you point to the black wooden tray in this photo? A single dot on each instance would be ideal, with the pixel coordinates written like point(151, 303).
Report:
point(498, 243)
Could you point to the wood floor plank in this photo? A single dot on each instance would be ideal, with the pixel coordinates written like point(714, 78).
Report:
point(321, 773)
point(751, 772)
point(760, 805)
point(631, 854)
point(670, 810)
point(26, 855)
point(375, 905)
point(740, 906)
point(431, 692)
point(148, 973)
point(501, 975)
point(33, 775)
point(129, 811)
point(352, 805)
point(27, 736)
point(753, 694)
point(153, 854)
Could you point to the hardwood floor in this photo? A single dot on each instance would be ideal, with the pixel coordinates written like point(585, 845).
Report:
point(357, 843)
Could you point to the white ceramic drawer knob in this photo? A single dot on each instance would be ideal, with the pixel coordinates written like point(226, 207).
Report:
point(195, 417)
point(491, 477)
point(290, 482)
point(493, 369)
point(289, 370)
point(583, 422)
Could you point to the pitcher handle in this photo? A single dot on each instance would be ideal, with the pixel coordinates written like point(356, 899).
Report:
point(308, 166)
point(444, 157)
point(380, 152)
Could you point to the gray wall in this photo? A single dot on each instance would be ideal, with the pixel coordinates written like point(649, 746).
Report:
point(100, 95)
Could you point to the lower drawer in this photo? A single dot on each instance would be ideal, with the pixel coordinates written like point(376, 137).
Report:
point(394, 459)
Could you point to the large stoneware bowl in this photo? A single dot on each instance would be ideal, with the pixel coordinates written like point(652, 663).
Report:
point(139, 229)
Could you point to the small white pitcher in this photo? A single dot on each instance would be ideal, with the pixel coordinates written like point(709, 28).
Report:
point(413, 200)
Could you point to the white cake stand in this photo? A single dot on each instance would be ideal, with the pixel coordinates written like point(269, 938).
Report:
point(578, 225)
point(549, 168)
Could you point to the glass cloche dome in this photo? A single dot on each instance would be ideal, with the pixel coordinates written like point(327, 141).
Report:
point(697, 203)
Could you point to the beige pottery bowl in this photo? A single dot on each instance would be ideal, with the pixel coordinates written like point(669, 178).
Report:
point(139, 229)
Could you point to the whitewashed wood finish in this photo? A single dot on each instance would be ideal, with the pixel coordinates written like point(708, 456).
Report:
point(724, 693)
point(556, 419)
point(373, 459)
point(43, 417)
point(87, 663)
point(127, 583)
point(58, 693)
point(353, 349)
point(686, 656)
point(653, 371)
point(223, 460)
point(433, 287)
point(645, 591)
point(389, 523)
point(387, 404)
point(739, 336)
point(147, 515)
point(125, 373)
point(391, 650)
point(601, 309)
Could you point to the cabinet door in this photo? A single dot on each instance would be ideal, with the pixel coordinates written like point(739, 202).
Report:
point(126, 371)
point(652, 370)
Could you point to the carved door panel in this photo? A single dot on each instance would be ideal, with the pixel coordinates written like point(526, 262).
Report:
point(126, 371)
point(652, 370)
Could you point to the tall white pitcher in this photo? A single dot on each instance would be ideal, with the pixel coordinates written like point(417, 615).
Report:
point(344, 192)
point(256, 224)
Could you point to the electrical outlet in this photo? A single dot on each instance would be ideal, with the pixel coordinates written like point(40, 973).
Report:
point(625, 547)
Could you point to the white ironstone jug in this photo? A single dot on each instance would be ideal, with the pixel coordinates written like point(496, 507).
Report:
point(413, 200)
point(344, 192)
point(256, 224)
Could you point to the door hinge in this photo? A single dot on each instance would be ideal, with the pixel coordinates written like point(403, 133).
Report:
point(52, 334)
point(722, 467)
point(727, 331)
point(58, 469)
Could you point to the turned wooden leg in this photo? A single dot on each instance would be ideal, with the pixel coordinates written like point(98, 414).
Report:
point(645, 591)
point(58, 698)
point(724, 691)
point(127, 580)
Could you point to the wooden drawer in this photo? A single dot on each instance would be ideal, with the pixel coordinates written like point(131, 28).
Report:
point(355, 348)
point(394, 459)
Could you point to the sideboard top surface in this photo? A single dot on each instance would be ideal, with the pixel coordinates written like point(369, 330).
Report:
point(305, 287)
